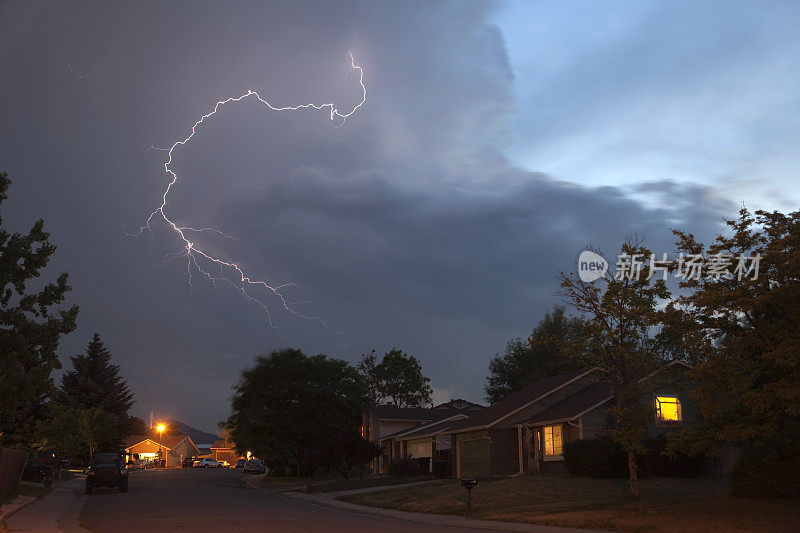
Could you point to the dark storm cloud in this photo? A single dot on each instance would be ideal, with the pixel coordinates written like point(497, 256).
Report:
point(405, 227)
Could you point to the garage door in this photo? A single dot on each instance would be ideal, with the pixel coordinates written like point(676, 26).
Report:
point(474, 456)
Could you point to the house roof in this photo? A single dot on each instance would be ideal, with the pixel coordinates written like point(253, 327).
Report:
point(166, 441)
point(390, 412)
point(517, 401)
point(430, 429)
point(575, 405)
point(220, 444)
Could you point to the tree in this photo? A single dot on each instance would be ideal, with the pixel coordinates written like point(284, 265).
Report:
point(287, 408)
point(31, 325)
point(747, 328)
point(397, 379)
point(60, 431)
point(367, 367)
point(98, 427)
point(350, 451)
point(618, 313)
point(541, 356)
point(75, 432)
point(94, 383)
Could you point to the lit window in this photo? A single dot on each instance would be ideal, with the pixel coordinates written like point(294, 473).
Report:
point(668, 409)
point(552, 440)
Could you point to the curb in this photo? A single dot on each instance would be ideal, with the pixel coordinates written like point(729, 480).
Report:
point(421, 518)
point(6, 515)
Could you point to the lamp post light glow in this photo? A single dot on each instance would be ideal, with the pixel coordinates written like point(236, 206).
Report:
point(160, 428)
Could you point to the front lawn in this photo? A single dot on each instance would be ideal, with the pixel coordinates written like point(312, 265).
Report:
point(36, 490)
point(368, 482)
point(667, 504)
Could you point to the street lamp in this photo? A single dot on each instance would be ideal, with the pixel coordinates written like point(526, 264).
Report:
point(160, 428)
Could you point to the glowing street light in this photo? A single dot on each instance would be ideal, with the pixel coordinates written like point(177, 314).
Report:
point(160, 428)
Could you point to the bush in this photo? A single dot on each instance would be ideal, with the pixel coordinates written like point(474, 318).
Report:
point(599, 457)
point(409, 466)
point(656, 462)
point(767, 473)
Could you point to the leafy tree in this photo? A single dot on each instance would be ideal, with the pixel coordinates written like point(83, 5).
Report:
point(31, 326)
point(350, 451)
point(748, 331)
point(286, 408)
point(75, 432)
point(60, 431)
point(618, 313)
point(541, 356)
point(367, 367)
point(95, 383)
point(397, 379)
point(97, 428)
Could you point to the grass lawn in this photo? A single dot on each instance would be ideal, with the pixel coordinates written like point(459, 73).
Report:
point(667, 504)
point(356, 483)
point(33, 489)
point(294, 482)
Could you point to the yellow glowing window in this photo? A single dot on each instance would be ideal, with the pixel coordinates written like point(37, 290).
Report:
point(552, 440)
point(668, 409)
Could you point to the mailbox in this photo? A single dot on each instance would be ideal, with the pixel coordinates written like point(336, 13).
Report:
point(469, 484)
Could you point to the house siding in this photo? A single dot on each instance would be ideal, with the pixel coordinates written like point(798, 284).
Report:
point(504, 451)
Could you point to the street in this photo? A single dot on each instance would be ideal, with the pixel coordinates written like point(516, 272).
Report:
point(216, 500)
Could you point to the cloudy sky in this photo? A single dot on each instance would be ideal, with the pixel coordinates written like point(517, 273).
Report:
point(496, 141)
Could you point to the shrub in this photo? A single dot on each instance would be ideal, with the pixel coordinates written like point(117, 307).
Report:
point(767, 473)
point(599, 457)
point(409, 466)
point(656, 462)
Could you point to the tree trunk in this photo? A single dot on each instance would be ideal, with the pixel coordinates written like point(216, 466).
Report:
point(633, 475)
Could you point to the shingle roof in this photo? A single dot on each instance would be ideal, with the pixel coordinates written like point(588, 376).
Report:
point(518, 400)
point(574, 405)
point(390, 412)
point(166, 441)
point(439, 427)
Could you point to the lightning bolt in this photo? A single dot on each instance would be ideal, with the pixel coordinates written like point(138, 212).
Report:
point(201, 261)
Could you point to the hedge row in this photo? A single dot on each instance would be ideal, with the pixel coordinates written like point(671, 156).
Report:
point(601, 457)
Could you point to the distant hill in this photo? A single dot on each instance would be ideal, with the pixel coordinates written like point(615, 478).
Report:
point(199, 437)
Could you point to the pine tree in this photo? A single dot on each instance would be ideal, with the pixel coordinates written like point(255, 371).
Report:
point(30, 328)
point(95, 383)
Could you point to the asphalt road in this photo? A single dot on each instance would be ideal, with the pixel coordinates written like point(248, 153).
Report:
point(216, 501)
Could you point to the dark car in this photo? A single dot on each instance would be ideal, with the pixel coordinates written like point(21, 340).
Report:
point(107, 469)
point(254, 466)
point(188, 462)
point(240, 463)
point(38, 472)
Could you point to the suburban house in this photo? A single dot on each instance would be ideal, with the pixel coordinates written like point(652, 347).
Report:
point(174, 448)
point(526, 431)
point(221, 451)
point(388, 426)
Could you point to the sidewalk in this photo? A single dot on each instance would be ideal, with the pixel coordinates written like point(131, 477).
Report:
point(58, 511)
point(329, 500)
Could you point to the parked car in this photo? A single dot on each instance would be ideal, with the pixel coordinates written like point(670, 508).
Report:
point(240, 463)
point(107, 469)
point(189, 462)
point(38, 472)
point(255, 466)
point(207, 462)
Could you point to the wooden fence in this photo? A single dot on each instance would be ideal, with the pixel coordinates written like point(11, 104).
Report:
point(12, 463)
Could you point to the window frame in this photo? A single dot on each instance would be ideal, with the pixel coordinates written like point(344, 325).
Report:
point(552, 456)
point(658, 400)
